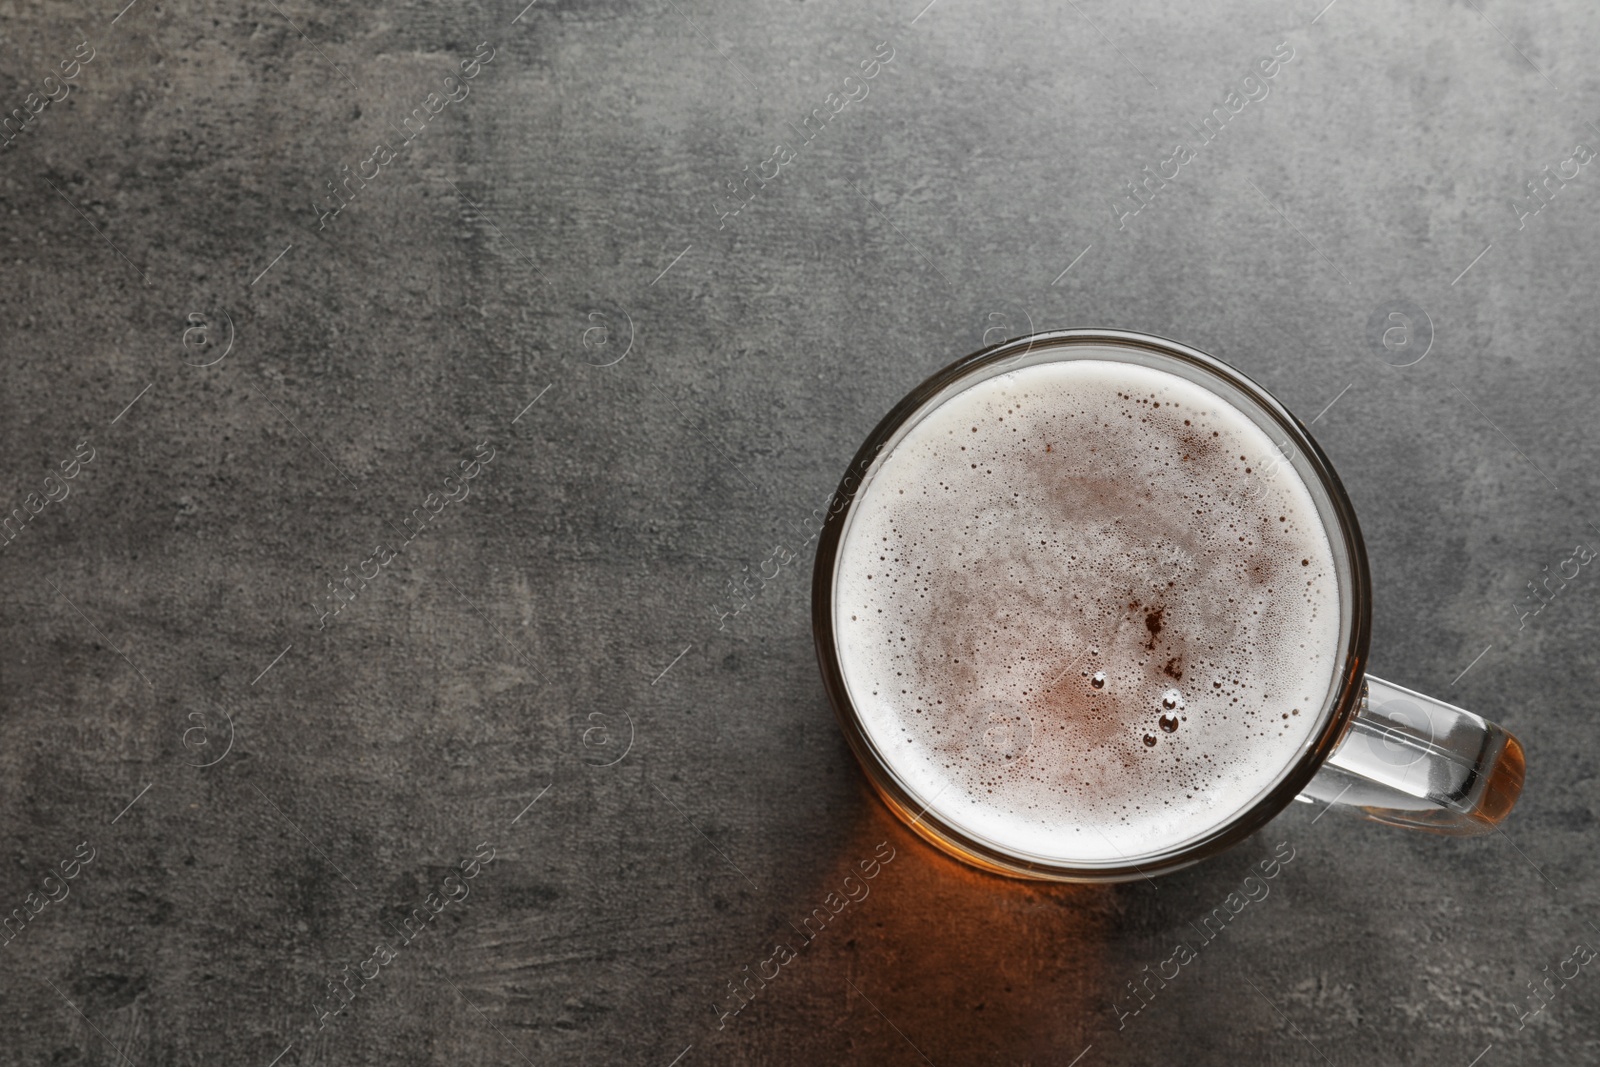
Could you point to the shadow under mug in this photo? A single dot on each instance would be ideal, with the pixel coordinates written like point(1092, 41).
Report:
point(1392, 755)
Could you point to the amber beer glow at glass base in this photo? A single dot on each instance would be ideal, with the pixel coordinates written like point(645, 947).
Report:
point(1090, 605)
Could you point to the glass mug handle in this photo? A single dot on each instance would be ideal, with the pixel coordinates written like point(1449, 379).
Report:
point(1410, 760)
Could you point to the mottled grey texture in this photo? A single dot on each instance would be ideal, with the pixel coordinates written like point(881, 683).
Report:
point(512, 643)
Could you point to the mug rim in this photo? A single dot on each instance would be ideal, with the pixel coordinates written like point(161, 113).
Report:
point(1349, 675)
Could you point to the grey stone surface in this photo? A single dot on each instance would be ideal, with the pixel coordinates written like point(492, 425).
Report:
point(697, 386)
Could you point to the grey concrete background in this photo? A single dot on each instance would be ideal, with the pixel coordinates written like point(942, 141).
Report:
point(577, 608)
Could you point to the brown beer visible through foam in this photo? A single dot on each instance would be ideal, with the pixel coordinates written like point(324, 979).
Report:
point(1087, 610)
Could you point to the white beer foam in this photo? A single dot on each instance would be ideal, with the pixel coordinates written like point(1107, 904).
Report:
point(1055, 560)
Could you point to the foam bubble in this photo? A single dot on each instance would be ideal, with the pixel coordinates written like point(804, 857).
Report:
point(1114, 557)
